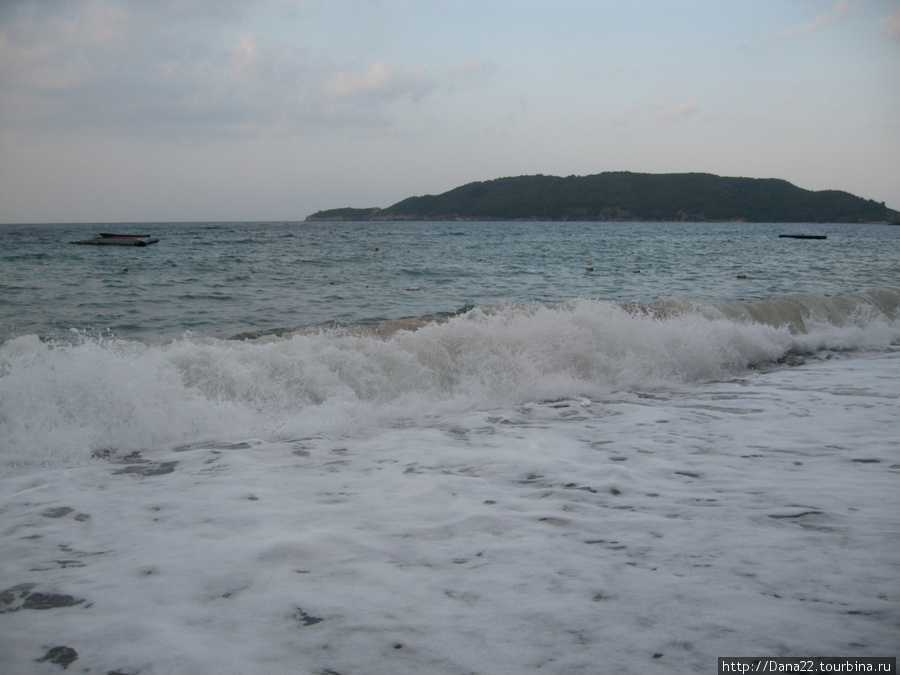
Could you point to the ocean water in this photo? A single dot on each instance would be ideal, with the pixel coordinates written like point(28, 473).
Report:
point(229, 279)
point(447, 447)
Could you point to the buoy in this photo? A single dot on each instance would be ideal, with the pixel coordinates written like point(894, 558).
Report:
point(742, 276)
point(124, 269)
point(636, 271)
point(376, 248)
point(414, 288)
point(589, 269)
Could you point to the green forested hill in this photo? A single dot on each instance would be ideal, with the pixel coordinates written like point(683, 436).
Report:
point(625, 196)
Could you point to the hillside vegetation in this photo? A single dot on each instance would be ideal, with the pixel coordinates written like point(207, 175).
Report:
point(626, 196)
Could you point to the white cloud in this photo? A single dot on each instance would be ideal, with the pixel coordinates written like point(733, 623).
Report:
point(466, 74)
point(824, 19)
point(244, 53)
point(93, 67)
point(679, 112)
point(472, 65)
point(660, 109)
point(103, 24)
point(54, 52)
point(890, 26)
point(51, 53)
point(380, 80)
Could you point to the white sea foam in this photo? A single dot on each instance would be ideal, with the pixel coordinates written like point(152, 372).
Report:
point(630, 532)
point(61, 402)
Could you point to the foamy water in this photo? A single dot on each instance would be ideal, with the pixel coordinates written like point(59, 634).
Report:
point(63, 402)
point(627, 532)
point(481, 477)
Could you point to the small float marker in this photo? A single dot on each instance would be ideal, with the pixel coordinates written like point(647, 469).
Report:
point(589, 269)
point(742, 276)
point(636, 271)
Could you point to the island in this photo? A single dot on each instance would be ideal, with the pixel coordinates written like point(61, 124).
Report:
point(622, 196)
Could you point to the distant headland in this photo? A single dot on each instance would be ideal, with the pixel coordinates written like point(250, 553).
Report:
point(623, 196)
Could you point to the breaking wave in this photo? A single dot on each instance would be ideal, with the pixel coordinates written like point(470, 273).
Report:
point(62, 401)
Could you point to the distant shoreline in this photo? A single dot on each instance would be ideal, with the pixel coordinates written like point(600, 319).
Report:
point(627, 197)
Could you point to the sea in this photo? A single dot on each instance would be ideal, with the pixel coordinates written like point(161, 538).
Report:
point(447, 447)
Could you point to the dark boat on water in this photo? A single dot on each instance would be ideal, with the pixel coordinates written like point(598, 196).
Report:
point(108, 239)
point(803, 236)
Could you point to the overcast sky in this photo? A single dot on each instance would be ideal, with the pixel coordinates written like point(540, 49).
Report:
point(184, 110)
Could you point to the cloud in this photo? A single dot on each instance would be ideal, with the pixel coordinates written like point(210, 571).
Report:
point(103, 24)
point(625, 118)
point(362, 99)
point(244, 53)
point(89, 66)
point(52, 51)
point(466, 74)
point(824, 19)
point(380, 81)
point(126, 69)
point(679, 112)
point(890, 26)
point(660, 109)
point(472, 65)
point(619, 69)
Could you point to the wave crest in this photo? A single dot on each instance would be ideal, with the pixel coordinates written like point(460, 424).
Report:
point(67, 400)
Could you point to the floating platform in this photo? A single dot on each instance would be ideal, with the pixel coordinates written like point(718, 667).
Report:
point(108, 239)
point(803, 236)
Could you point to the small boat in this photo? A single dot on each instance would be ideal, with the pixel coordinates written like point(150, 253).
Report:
point(109, 239)
point(803, 236)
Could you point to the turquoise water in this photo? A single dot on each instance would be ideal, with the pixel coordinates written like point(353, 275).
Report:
point(229, 279)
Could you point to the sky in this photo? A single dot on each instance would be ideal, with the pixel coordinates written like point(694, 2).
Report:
point(235, 110)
